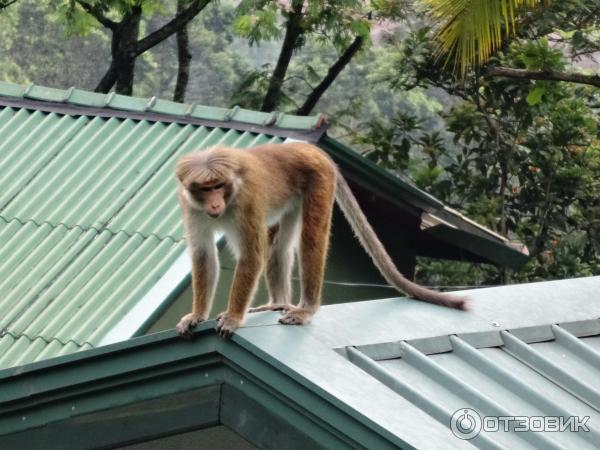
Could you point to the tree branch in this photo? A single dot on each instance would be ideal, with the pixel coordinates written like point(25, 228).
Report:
point(6, 3)
point(96, 12)
point(551, 75)
point(179, 21)
point(332, 74)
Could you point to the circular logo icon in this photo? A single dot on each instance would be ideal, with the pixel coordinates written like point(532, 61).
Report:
point(465, 423)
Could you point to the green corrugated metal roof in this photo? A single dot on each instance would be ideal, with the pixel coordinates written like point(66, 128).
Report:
point(89, 219)
point(373, 374)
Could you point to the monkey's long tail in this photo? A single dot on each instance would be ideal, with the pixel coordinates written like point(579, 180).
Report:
point(371, 243)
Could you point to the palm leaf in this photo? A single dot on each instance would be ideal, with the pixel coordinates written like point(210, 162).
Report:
point(470, 31)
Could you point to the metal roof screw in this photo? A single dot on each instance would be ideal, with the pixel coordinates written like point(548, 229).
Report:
point(109, 97)
point(189, 109)
point(241, 381)
point(150, 103)
point(23, 418)
point(232, 112)
point(495, 324)
point(67, 94)
point(271, 119)
point(28, 89)
point(73, 408)
point(206, 375)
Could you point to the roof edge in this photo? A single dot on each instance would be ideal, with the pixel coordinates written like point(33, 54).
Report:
point(80, 102)
point(513, 254)
point(381, 179)
point(153, 304)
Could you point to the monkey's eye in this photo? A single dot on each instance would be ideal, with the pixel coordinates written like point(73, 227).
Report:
point(207, 188)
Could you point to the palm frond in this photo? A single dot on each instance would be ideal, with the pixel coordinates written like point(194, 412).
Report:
point(468, 32)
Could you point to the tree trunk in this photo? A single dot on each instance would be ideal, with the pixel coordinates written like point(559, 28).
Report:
point(184, 57)
point(108, 80)
point(293, 30)
point(125, 46)
point(124, 56)
point(332, 74)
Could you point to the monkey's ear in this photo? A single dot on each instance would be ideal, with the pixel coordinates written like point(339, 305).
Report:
point(180, 173)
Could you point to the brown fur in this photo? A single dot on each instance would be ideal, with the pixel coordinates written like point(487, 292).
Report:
point(240, 190)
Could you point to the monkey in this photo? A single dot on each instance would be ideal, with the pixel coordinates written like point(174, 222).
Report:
point(271, 202)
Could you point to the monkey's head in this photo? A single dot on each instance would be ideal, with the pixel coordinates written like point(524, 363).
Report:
point(210, 180)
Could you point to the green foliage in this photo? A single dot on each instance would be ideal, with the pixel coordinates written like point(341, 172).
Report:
point(468, 32)
point(219, 59)
point(329, 25)
point(257, 21)
point(524, 159)
point(336, 21)
point(37, 50)
point(451, 275)
point(79, 22)
point(538, 55)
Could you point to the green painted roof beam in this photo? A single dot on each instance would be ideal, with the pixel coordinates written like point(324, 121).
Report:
point(163, 365)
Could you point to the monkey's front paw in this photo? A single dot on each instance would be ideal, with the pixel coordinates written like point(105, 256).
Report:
point(296, 317)
point(227, 324)
point(186, 325)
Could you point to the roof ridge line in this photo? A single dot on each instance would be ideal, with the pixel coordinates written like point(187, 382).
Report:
point(84, 229)
point(79, 98)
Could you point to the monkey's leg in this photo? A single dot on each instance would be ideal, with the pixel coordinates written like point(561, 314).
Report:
point(280, 263)
point(245, 280)
point(314, 241)
point(205, 272)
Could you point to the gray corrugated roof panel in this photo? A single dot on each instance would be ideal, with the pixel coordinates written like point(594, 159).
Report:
point(523, 350)
point(398, 370)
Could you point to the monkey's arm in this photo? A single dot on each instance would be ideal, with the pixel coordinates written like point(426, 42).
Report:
point(205, 273)
point(245, 280)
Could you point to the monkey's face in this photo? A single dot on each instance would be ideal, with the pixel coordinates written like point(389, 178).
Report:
point(210, 181)
point(210, 197)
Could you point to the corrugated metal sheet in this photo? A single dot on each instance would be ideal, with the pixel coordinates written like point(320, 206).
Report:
point(558, 378)
point(529, 351)
point(374, 374)
point(89, 220)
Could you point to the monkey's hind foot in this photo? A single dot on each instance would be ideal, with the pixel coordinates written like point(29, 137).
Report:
point(185, 327)
point(296, 316)
point(227, 324)
point(271, 307)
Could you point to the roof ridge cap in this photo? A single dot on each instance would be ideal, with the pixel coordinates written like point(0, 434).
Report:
point(113, 101)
